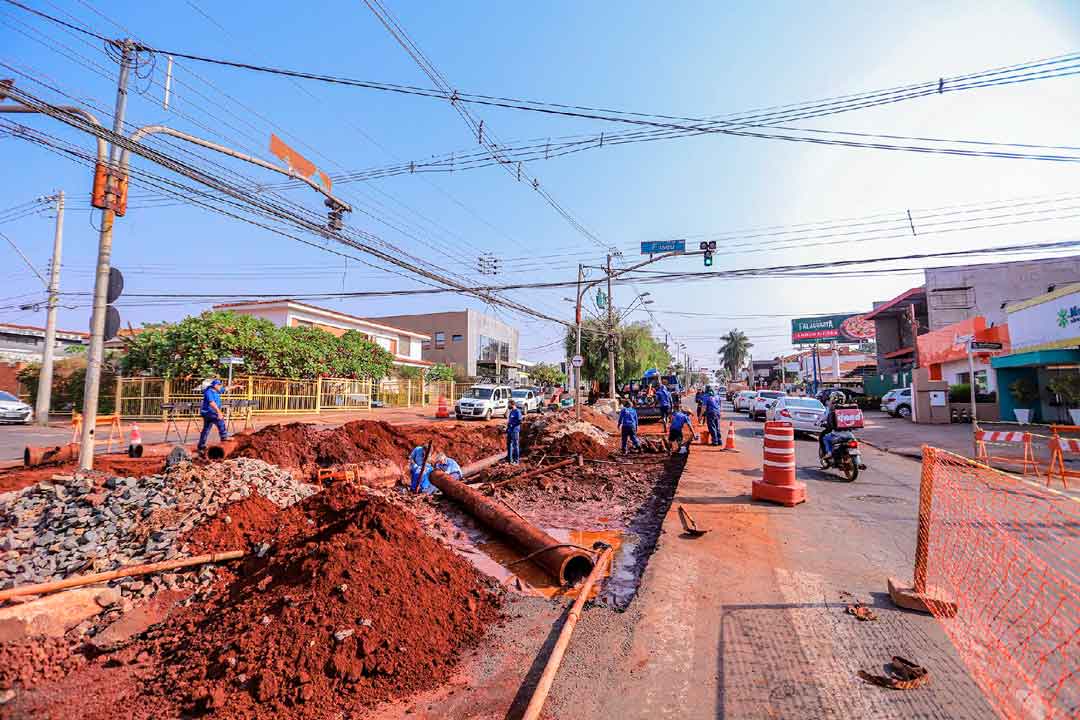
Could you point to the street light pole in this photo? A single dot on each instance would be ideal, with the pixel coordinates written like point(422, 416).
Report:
point(44, 391)
point(611, 335)
point(96, 352)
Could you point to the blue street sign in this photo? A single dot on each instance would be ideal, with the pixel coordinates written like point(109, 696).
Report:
point(663, 246)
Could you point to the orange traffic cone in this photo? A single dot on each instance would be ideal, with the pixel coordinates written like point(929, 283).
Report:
point(135, 447)
point(729, 444)
point(443, 410)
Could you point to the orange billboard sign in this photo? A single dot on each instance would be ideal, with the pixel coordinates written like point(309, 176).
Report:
point(298, 163)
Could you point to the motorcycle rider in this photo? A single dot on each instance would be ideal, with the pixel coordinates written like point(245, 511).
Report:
point(825, 438)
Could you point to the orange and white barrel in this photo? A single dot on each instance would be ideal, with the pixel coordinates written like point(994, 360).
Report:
point(778, 483)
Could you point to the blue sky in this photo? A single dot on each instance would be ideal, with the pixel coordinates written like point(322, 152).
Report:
point(694, 59)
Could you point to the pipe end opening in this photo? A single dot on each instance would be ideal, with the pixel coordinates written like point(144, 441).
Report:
point(576, 569)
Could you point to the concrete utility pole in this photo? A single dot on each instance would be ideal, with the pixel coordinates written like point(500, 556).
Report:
point(611, 331)
point(575, 372)
point(45, 377)
point(96, 352)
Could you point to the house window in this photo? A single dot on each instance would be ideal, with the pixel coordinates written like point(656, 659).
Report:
point(457, 338)
point(393, 346)
point(425, 344)
point(440, 339)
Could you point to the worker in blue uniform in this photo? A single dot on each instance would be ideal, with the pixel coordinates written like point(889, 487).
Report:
point(419, 470)
point(212, 414)
point(680, 420)
point(711, 407)
point(663, 400)
point(447, 465)
point(628, 424)
point(513, 434)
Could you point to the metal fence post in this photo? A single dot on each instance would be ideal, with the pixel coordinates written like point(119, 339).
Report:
point(142, 396)
point(119, 393)
point(318, 395)
point(165, 393)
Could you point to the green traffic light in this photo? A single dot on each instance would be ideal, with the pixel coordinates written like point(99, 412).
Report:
point(708, 259)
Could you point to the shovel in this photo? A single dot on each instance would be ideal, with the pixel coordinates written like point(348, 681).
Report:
point(688, 523)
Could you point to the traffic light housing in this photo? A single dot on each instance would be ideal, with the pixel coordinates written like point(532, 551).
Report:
point(708, 248)
point(708, 258)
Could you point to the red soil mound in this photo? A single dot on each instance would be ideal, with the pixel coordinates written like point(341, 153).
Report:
point(304, 448)
point(578, 443)
point(359, 607)
point(249, 521)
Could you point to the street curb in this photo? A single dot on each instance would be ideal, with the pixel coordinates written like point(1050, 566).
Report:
point(902, 452)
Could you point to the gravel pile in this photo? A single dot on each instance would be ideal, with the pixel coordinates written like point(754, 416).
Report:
point(53, 530)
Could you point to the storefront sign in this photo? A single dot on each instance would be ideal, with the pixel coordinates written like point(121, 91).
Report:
point(1054, 322)
point(847, 329)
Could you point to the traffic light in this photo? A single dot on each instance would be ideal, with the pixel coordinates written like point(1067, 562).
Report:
point(709, 248)
point(708, 259)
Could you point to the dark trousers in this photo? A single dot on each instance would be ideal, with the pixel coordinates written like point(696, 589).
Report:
point(513, 445)
point(665, 413)
point(209, 421)
point(713, 421)
point(630, 433)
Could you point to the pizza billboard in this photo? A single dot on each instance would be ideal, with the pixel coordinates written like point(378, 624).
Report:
point(848, 329)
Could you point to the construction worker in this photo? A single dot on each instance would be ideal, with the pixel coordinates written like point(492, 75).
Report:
point(513, 434)
point(711, 408)
point(663, 399)
point(628, 423)
point(419, 470)
point(212, 414)
point(447, 465)
point(680, 420)
point(699, 398)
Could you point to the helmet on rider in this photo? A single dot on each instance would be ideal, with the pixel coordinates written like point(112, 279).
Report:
point(836, 398)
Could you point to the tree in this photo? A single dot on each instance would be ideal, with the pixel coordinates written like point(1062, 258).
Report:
point(440, 373)
point(735, 351)
point(193, 348)
point(546, 374)
point(636, 351)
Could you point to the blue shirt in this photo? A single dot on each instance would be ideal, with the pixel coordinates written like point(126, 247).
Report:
point(712, 405)
point(450, 467)
point(513, 421)
point(209, 395)
point(420, 482)
point(416, 457)
point(628, 418)
point(663, 397)
point(678, 420)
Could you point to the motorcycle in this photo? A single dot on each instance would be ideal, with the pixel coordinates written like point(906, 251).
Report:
point(845, 454)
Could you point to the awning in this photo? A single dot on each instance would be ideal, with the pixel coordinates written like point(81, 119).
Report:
point(1036, 358)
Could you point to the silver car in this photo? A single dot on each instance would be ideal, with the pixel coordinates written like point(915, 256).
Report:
point(762, 402)
point(804, 413)
point(744, 400)
point(14, 410)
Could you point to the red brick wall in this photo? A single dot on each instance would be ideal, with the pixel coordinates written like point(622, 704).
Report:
point(8, 380)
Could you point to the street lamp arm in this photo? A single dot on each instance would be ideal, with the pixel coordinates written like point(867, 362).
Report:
point(101, 148)
point(142, 132)
point(652, 258)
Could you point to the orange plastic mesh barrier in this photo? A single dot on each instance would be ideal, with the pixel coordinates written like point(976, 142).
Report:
point(1007, 552)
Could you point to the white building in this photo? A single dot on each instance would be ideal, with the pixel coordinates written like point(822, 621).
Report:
point(404, 345)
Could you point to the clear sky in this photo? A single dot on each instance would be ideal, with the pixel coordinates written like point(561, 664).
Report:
point(689, 59)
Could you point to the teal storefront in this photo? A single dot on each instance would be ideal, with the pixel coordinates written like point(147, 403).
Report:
point(1038, 366)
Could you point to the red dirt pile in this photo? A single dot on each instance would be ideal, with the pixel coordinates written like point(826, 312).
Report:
point(577, 443)
point(350, 611)
point(239, 526)
point(305, 449)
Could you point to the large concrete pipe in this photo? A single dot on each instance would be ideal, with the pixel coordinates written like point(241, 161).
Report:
point(566, 565)
point(34, 456)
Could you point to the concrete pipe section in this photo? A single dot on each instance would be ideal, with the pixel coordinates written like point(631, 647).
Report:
point(566, 565)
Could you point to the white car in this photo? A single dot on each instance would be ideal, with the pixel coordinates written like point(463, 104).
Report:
point(744, 400)
point(763, 401)
point(804, 413)
point(527, 400)
point(899, 405)
point(483, 401)
point(14, 410)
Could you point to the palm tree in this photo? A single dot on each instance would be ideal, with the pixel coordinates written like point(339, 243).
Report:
point(734, 351)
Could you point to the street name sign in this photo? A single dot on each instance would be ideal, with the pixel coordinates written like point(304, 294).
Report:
point(977, 345)
point(662, 246)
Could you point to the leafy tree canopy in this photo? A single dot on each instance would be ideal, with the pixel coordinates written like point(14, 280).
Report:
point(546, 374)
point(636, 351)
point(193, 348)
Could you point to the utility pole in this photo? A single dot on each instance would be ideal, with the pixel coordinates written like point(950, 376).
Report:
point(575, 372)
point(96, 352)
point(45, 377)
point(611, 336)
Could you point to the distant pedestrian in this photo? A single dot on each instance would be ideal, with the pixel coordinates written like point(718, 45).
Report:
point(628, 424)
point(711, 408)
point(699, 398)
point(212, 414)
point(513, 434)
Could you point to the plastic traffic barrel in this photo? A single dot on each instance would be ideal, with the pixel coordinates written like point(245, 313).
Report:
point(778, 483)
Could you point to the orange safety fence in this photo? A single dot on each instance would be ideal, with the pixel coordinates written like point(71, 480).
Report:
point(1011, 438)
point(1058, 447)
point(1000, 558)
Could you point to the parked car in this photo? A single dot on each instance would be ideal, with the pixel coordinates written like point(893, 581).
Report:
point(805, 414)
point(763, 401)
point(886, 399)
point(744, 400)
point(483, 401)
point(899, 405)
point(526, 399)
point(14, 410)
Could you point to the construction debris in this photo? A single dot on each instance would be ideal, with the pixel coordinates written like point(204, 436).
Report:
point(903, 675)
point(860, 611)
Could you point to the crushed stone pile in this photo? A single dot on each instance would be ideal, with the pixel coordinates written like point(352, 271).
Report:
point(562, 434)
point(64, 527)
point(354, 604)
point(304, 448)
